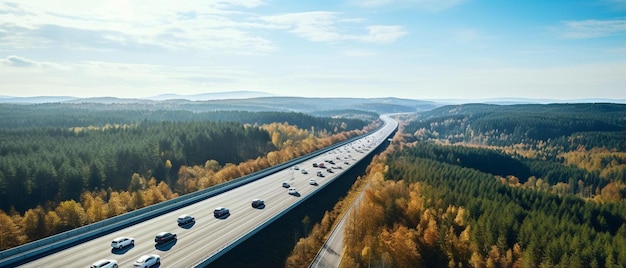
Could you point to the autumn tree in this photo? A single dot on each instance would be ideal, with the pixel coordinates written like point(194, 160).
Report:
point(10, 234)
point(72, 215)
point(34, 223)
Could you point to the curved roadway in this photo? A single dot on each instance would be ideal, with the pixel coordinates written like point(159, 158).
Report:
point(209, 235)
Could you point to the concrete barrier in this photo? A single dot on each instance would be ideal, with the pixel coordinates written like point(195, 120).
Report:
point(51, 244)
point(215, 255)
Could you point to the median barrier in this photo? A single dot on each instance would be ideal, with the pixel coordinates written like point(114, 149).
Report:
point(51, 244)
point(221, 251)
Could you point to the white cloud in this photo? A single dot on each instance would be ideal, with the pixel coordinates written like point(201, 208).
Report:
point(324, 26)
point(99, 78)
point(427, 5)
point(200, 25)
point(16, 61)
point(594, 28)
point(383, 34)
point(218, 26)
point(318, 26)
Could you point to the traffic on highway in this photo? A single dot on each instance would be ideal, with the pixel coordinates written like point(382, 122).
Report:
point(196, 233)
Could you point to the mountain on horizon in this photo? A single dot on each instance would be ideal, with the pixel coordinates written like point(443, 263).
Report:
point(35, 99)
point(241, 94)
point(512, 101)
point(267, 100)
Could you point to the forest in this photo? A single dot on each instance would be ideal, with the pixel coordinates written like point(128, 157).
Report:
point(84, 165)
point(576, 148)
point(459, 187)
point(505, 125)
point(64, 115)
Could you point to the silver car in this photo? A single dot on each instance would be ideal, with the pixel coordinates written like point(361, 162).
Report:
point(292, 191)
point(184, 219)
point(104, 263)
point(121, 242)
point(147, 261)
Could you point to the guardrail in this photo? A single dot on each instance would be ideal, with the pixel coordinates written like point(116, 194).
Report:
point(216, 254)
point(53, 243)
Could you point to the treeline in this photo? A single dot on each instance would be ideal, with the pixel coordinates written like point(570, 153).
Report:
point(599, 124)
point(53, 152)
point(573, 148)
point(448, 200)
point(546, 229)
point(571, 179)
point(43, 220)
point(55, 164)
point(67, 115)
point(421, 212)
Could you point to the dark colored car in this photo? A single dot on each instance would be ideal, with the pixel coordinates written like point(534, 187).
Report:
point(257, 203)
point(164, 237)
point(220, 212)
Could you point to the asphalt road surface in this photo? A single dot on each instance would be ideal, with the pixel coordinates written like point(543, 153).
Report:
point(209, 235)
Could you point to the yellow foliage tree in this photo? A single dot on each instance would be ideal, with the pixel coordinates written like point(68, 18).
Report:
point(33, 223)
point(118, 203)
point(10, 234)
point(72, 215)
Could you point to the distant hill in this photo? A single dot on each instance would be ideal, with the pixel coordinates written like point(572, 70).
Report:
point(500, 125)
point(308, 105)
point(108, 100)
point(512, 101)
point(212, 96)
point(37, 99)
point(256, 101)
point(328, 107)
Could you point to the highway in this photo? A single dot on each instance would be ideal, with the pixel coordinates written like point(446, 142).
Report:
point(209, 235)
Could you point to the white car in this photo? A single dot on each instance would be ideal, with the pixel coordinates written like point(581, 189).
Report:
point(312, 182)
point(121, 242)
point(147, 261)
point(104, 263)
point(292, 191)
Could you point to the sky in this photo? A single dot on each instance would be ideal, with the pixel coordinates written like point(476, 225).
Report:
point(416, 49)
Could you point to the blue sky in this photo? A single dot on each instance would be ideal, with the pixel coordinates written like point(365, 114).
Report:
point(418, 49)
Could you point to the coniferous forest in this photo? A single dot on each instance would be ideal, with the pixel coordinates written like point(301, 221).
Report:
point(493, 186)
point(63, 165)
point(471, 185)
